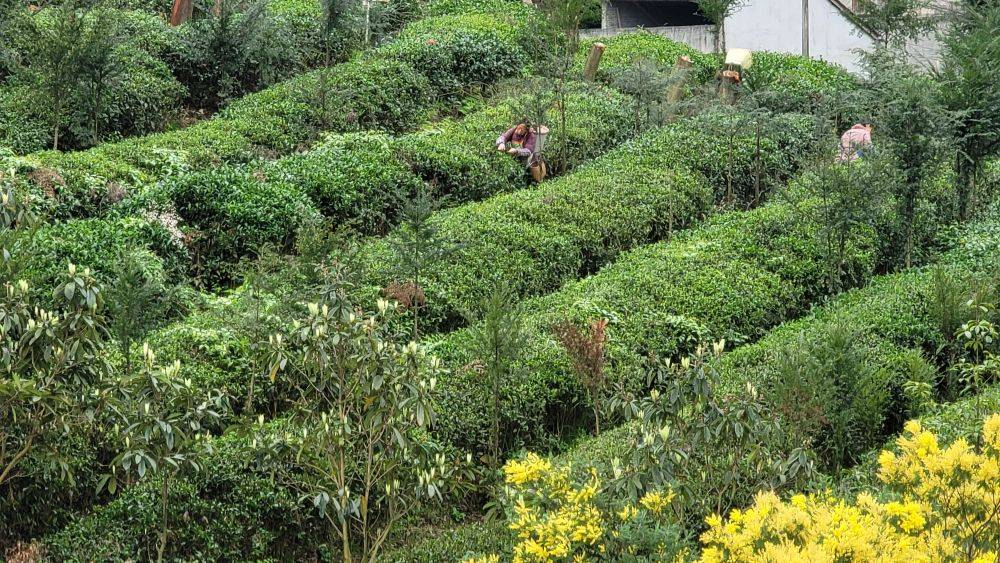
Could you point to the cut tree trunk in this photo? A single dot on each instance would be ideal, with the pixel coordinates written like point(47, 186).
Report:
point(593, 61)
point(678, 79)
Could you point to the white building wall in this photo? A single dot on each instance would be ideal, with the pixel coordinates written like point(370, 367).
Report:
point(699, 37)
point(776, 25)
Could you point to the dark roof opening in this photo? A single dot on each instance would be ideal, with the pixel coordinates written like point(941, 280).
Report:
point(653, 13)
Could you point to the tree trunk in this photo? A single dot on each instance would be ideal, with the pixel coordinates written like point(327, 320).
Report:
point(593, 61)
point(966, 172)
point(162, 547)
point(676, 91)
point(181, 12)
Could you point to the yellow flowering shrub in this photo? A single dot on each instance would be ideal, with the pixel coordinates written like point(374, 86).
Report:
point(949, 510)
point(557, 517)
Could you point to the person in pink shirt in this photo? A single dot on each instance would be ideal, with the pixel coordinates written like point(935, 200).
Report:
point(855, 141)
point(519, 140)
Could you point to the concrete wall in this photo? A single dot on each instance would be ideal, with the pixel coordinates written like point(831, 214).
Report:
point(776, 25)
point(698, 36)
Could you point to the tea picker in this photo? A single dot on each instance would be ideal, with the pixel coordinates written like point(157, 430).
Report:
point(526, 141)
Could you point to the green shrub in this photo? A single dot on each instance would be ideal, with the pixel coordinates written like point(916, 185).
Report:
point(784, 82)
point(625, 49)
point(355, 177)
point(228, 214)
point(365, 178)
point(367, 93)
point(227, 512)
point(241, 49)
point(730, 278)
point(142, 99)
point(534, 240)
point(891, 318)
point(44, 502)
point(455, 544)
point(139, 94)
point(23, 128)
point(95, 243)
point(509, 8)
point(459, 62)
point(362, 94)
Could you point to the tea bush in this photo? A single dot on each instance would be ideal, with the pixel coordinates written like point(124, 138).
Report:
point(730, 278)
point(246, 515)
point(626, 49)
point(784, 82)
point(228, 214)
point(374, 92)
point(534, 240)
point(462, 63)
point(22, 128)
point(95, 243)
point(888, 320)
point(509, 8)
point(366, 177)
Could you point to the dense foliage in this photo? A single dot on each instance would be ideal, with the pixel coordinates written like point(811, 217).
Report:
point(106, 72)
point(322, 317)
point(533, 240)
point(379, 91)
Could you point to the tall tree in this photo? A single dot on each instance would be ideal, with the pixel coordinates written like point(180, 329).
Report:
point(563, 40)
point(971, 57)
point(717, 11)
point(894, 22)
point(916, 129)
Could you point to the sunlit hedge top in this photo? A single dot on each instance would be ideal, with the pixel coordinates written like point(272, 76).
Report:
point(794, 82)
point(514, 8)
point(624, 50)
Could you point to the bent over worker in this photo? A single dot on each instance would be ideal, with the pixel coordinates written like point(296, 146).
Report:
point(520, 141)
point(855, 141)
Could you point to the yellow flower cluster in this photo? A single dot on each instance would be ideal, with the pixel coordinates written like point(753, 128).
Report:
point(958, 486)
point(950, 510)
point(812, 528)
point(657, 501)
point(559, 519)
point(527, 471)
point(555, 520)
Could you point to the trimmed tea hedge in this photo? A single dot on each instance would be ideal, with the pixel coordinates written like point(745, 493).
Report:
point(95, 243)
point(624, 50)
point(534, 240)
point(228, 513)
point(891, 316)
point(785, 82)
point(228, 214)
point(513, 8)
point(365, 177)
point(361, 178)
point(379, 91)
point(730, 278)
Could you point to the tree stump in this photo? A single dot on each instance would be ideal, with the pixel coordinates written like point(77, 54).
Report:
point(678, 80)
point(593, 61)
